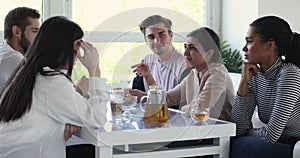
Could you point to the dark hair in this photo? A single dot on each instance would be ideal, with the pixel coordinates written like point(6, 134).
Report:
point(53, 47)
point(209, 40)
point(19, 17)
point(277, 29)
point(155, 19)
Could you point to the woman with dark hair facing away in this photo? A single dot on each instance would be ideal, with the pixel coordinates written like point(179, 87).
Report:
point(40, 98)
point(271, 82)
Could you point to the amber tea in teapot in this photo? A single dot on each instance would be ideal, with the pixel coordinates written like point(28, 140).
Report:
point(156, 109)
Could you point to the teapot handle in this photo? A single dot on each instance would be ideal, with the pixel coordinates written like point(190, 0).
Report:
point(141, 102)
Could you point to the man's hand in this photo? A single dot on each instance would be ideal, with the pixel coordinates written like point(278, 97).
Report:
point(70, 130)
point(141, 69)
point(138, 93)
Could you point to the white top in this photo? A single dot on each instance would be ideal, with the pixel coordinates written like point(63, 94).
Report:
point(167, 73)
point(40, 132)
point(213, 87)
point(9, 60)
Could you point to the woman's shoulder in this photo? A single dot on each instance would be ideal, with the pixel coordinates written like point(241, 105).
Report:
point(55, 81)
point(289, 72)
point(289, 68)
point(218, 68)
point(215, 71)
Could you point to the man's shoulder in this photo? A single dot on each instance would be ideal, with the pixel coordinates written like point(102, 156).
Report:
point(8, 52)
point(150, 57)
point(10, 55)
point(10, 59)
point(178, 55)
point(177, 58)
point(177, 51)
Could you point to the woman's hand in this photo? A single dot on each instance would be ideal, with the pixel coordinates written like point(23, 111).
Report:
point(90, 58)
point(248, 71)
point(83, 85)
point(186, 109)
point(70, 130)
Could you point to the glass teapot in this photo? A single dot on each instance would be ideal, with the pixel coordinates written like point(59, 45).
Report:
point(156, 109)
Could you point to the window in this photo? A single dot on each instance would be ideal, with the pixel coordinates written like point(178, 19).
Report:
point(113, 29)
point(6, 6)
point(113, 26)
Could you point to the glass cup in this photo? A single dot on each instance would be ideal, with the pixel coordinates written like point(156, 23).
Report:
point(129, 104)
point(116, 102)
point(129, 100)
point(200, 114)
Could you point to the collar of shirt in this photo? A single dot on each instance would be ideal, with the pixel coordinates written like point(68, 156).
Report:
point(47, 68)
point(201, 74)
point(273, 70)
point(170, 58)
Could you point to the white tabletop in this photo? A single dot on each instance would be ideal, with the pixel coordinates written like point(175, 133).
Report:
point(179, 127)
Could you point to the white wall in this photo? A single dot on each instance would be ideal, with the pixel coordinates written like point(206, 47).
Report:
point(288, 10)
point(238, 14)
point(236, 17)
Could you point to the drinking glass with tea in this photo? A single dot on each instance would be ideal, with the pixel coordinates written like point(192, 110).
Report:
point(200, 114)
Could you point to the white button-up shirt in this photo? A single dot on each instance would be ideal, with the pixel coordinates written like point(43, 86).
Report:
point(9, 60)
point(40, 132)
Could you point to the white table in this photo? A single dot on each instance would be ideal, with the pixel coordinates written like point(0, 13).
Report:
point(178, 128)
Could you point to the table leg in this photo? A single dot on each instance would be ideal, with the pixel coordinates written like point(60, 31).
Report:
point(104, 151)
point(224, 143)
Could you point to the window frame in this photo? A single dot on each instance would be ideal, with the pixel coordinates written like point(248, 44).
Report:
point(64, 7)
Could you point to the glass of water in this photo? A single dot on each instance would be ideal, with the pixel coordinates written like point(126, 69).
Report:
point(129, 100)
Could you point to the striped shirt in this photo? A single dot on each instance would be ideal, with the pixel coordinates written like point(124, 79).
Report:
point(166, 73)
point(276, 93)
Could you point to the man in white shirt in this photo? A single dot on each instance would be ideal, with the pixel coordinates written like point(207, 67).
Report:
point(166, 63)
point(20, 28)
